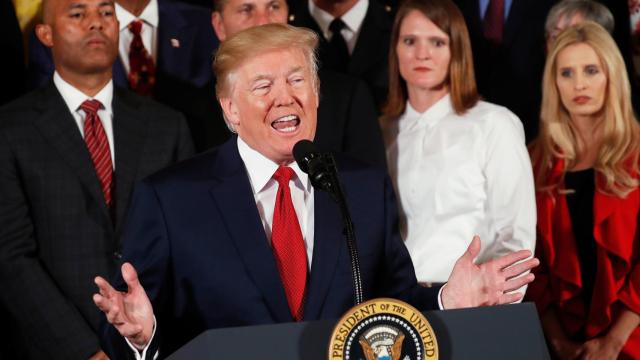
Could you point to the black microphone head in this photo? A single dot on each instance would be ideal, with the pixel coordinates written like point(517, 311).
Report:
point(303, 152)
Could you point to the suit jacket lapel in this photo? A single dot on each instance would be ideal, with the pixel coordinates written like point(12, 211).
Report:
point(59, 129)
point(232, 193)
point(328, 242)
point(129, 133)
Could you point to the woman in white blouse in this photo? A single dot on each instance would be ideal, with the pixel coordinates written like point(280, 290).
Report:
point(459, 165)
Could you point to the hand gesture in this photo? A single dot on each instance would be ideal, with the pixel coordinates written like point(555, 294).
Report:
point(490, 283)
point(601, 348)
point(129, 312)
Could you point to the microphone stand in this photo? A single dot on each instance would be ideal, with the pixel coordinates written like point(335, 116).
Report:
point(338, 196)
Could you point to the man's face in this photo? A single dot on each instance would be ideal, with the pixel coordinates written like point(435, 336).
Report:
point(238, 15)
point(273, 103)
point(82, 34)
point(563, 23)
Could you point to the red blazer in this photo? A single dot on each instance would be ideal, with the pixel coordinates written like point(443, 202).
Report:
point(558, 279)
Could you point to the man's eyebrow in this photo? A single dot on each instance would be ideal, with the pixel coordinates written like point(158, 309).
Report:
point(260, 77)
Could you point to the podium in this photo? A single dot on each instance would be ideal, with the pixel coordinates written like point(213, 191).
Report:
point(497, 332)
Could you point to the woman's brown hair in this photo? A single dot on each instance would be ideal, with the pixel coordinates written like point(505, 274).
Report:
point(461, 77)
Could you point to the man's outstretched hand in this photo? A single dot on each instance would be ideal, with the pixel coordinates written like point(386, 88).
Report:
point(129, 312)
point(490, 283)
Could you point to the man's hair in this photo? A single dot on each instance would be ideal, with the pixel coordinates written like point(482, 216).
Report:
point(460, 78)
point(617, 159)
point(218, 5)
point(589, 9)
point(257, 40)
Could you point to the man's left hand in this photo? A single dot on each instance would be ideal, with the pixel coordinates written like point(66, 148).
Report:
point(491, 283)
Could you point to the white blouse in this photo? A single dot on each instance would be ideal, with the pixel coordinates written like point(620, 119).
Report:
point(458, 176)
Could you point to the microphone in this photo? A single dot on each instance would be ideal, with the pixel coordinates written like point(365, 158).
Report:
point(323, 174)
point(313, 163)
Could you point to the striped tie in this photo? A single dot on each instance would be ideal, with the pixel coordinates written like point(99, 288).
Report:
point(98, 146)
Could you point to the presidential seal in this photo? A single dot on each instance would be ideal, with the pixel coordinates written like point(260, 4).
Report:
point(383, 329)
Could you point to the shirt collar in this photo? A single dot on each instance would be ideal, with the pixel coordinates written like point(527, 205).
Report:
point(74, 97)
point(414, 119)
point(261, 169)
point(150, 15)
point(352, 18)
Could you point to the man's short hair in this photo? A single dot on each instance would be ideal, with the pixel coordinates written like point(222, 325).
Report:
point(257, 40)
point(589, 9)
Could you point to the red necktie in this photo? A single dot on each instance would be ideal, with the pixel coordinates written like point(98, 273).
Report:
point(493, 23)
point(288, 245)
point(98, 147)
point(142, 72)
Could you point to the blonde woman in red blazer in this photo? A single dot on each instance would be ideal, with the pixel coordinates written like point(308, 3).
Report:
point(587, 288)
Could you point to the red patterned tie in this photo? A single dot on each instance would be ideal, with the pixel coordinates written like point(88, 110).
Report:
point(288, 245)
point(493, 23)
point(142, 72)
point(98, 147)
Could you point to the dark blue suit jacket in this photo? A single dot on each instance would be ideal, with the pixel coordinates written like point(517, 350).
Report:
point(195, 236)
point(190, 62)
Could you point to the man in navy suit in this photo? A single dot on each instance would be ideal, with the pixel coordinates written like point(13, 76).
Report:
point(205, 236)
point(178, 38)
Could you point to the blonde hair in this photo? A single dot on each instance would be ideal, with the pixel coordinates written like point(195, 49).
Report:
point(461, 77)
point(257, 40)
point(617, 159)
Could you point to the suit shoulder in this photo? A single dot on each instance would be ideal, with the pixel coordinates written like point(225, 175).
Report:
point(17, 111)
point(146, 105)
point(196, 168)
point(350, 167)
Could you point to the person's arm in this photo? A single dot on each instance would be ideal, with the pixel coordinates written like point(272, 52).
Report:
point(48, 320)
point(511, 206)
point(609, 345)
point(561, 345)
point(127, 304)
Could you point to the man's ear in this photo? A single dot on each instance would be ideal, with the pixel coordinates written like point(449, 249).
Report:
point(218, 26)
point(44, 34)
point(230, 111)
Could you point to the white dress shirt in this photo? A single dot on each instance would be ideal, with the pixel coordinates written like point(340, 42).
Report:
point(74, 98)
point(264, 187)
point(460, 176)
point(149, 32)
point(260, 171)
point(353, 20)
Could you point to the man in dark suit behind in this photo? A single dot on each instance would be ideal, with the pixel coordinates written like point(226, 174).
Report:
point(177, 37)
point(509, 67)
point(238, 236)
point(62, 201)
point(366, 31)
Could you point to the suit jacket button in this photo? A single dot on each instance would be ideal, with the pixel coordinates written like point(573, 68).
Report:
point(117, 255)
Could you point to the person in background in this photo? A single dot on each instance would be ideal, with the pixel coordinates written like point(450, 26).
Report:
point(69, 156)
point(459, 165)
point(165, 50)
point(612, 15)
point(585, 159)
point(354, 35)
point(507, 37)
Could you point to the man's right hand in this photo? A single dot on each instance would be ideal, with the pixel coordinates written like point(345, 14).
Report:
point(129, 312)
